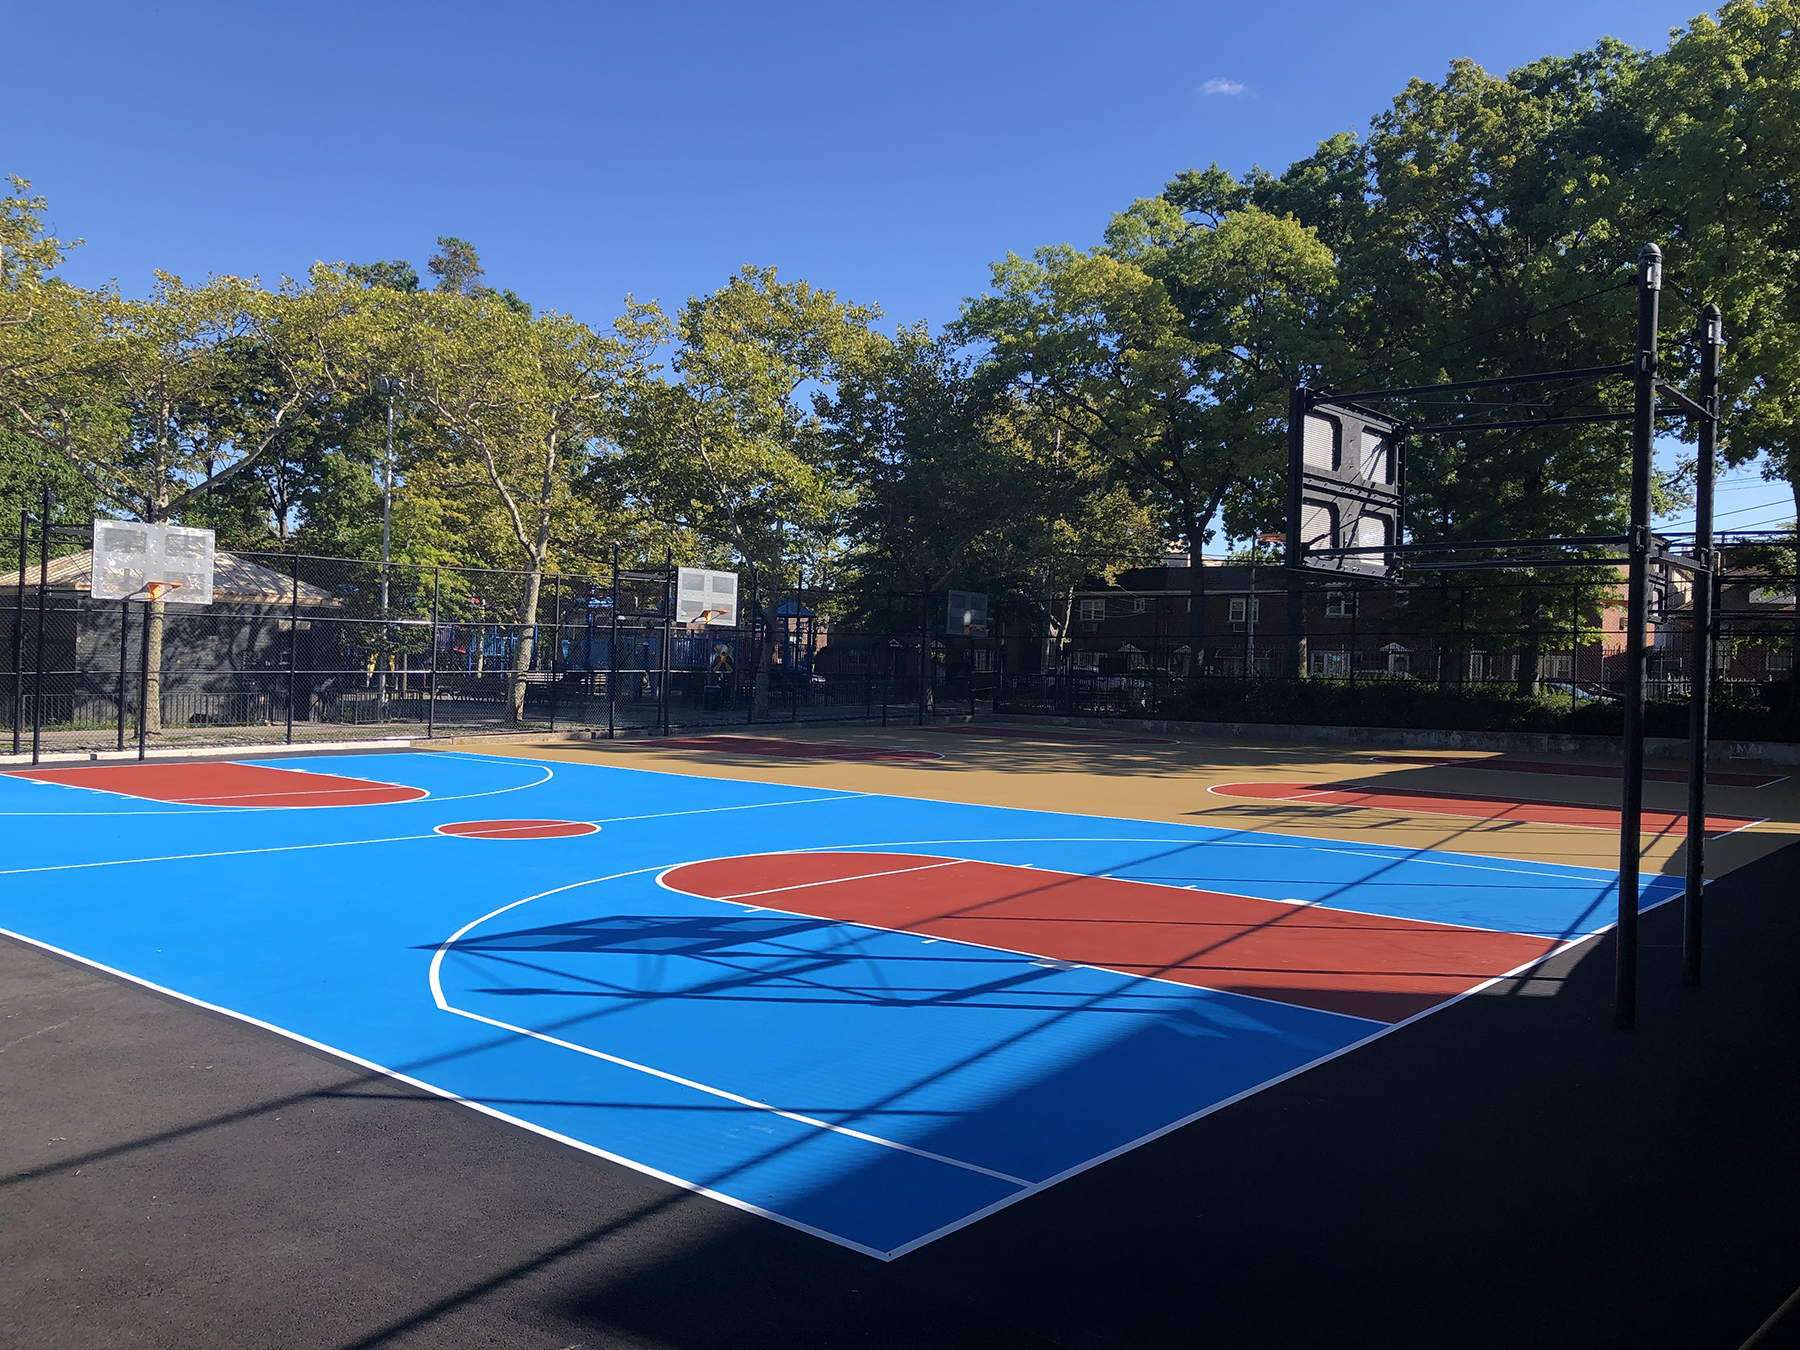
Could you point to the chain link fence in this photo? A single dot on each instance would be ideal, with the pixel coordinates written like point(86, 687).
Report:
point(299, 649)
point(1505, 653)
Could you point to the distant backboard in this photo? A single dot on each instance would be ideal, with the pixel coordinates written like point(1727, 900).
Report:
point(706, 597)
point(1346, 489)
point(967, 614)
point(134, 561)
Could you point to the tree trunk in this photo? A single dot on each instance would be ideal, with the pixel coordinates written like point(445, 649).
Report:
point(1530, 647)
point(153, 662)
point(524, 644)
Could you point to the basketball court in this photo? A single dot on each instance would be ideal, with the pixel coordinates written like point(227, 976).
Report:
point(871, 985)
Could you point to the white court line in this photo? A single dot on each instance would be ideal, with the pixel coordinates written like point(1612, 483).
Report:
point(809, 885)
point(1446, 857)
point(222, 853)
point(437, 994)
point(298, 848)
point(531, 1127)
point(1080, 876)
point(751, 806)
point(1036, 958)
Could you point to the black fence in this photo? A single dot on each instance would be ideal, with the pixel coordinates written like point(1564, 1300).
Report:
point(302, 649)
point(307, 649)
point(1478, 653)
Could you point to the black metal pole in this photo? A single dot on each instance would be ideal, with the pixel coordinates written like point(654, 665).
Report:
point(794, 646)
point(293, 661)
point(43, 606)
point(755, 655)
point(555, 644)
point(143, 718)
point(18, 633)
point(924, 648)
point(124, 638)
point(612, 652)
point(668, 633)
point(1643, 430)
point(437, 592)
point(1712, 343)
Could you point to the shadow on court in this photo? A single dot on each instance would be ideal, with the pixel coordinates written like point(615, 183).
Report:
point(1509, 1172)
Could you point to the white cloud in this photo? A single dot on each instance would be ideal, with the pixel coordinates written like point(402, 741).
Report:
point(1222, 86)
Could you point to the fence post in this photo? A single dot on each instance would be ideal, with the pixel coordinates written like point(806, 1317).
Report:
point(143, 718)
point(668, 633)
point(1712, 343)
point(124, 638)
point(18, 633)
point(37, 679)
point(756, 654)
point(437, 591)
point(794, 651)
point(555, 644)
point(1631, 814)
point(612, 650)
point(924, 649)
point(293, 651)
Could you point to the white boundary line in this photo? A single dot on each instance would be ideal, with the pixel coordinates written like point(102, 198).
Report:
point(1395, 852)
point(1032, 1188)
point(437, 995)
point(435, 1091)
point(212, 808)
point(1035, 957)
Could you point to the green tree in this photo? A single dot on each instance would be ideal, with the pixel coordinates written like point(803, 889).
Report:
point(521, 405)
point(734, 448)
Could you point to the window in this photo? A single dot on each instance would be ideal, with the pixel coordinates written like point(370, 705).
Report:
point(1092, 611)
point(1242, 603)
point(1340, 604)
point(1137, 605)
point(1330, 663)
point(984, 658)
point(1086, 660)
point(1555, 665)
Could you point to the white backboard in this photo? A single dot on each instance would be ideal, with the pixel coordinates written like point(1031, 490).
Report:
point(967, 614)
point(132, 561)
point(703, 596)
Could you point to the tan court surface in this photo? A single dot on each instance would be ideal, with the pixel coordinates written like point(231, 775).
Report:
point(1043, 770)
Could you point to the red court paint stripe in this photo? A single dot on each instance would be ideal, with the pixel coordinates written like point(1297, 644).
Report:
point(779, 749)
point(1072, 738)
point(227, 784)
point(1470, 805)
point(1365, 965)
point(517, 829)
point(1714, 778)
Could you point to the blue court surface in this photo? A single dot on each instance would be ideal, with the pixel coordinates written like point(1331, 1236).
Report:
point(869, 1086)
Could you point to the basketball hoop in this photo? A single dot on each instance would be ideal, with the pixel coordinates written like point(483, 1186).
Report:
point(153, 590)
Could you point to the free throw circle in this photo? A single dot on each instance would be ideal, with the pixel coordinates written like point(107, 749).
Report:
point(517, 829)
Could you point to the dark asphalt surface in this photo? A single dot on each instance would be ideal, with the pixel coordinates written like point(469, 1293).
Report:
point(1511, 1172)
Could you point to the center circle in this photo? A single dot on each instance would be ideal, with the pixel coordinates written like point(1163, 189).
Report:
point(517, 829)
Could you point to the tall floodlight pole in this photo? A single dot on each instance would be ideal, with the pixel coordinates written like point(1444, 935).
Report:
point(1643, 426)
point(390, 386)
point(1700, 647)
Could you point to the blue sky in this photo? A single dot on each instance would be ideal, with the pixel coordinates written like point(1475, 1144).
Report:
point(889, 152)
